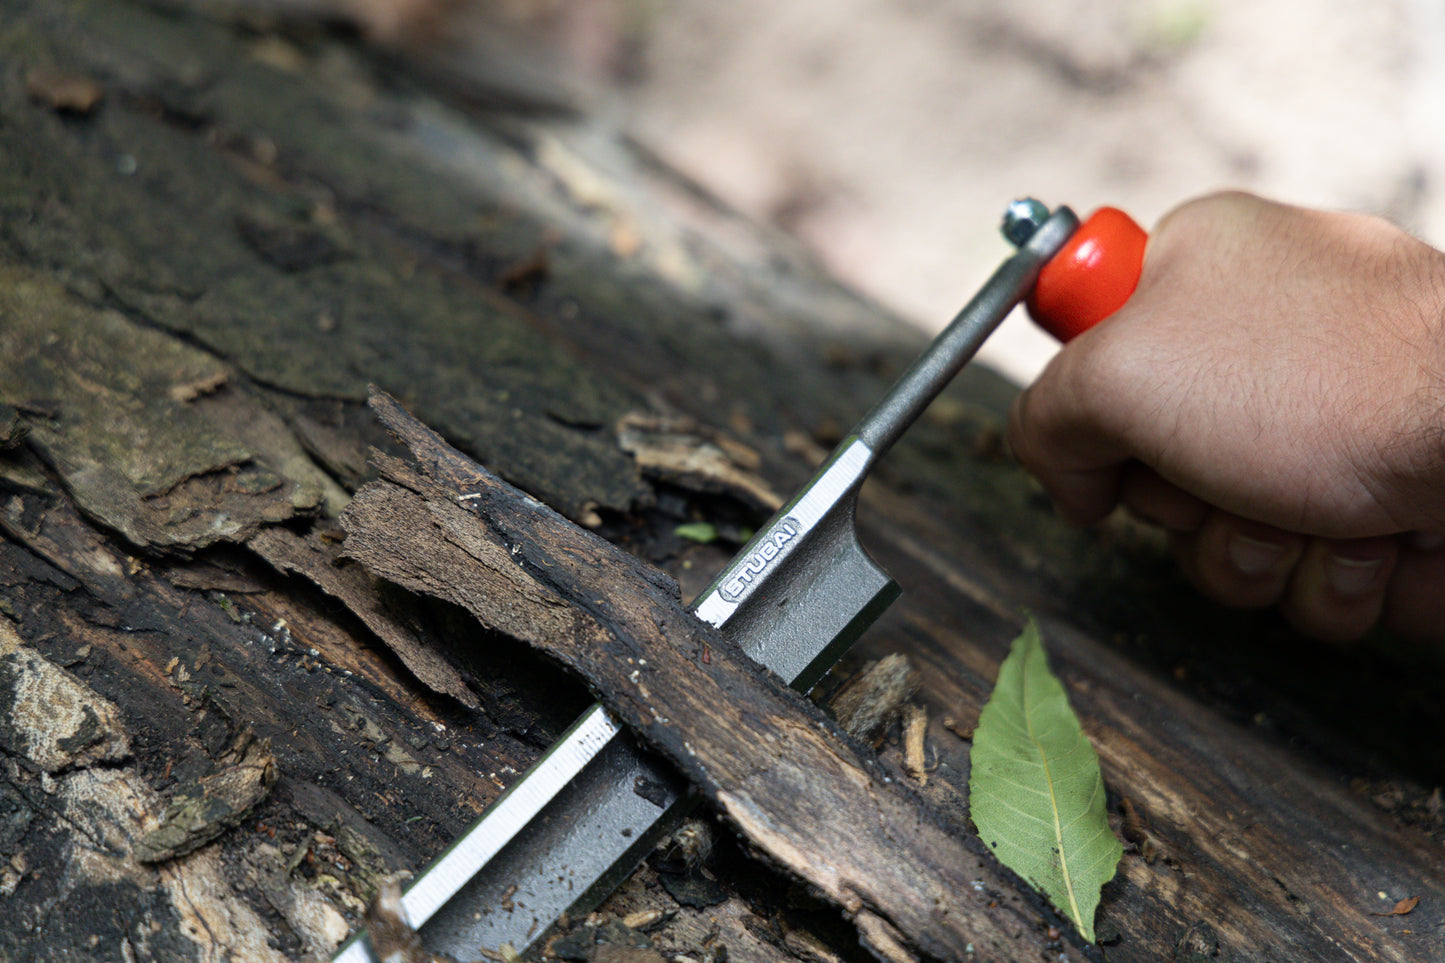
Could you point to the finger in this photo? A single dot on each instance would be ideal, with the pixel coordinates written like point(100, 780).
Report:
point(1337, 592)
point(1161, 502)
point(1237, 562)
point(1415, 600)
point(1081, 477)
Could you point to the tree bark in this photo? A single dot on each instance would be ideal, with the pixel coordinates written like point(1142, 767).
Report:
point(218, 736)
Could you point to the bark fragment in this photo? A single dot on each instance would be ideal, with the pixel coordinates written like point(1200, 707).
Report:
point(321, 563)
point(870, 700)
point(135, 457)
point(682, 452)
point(214, 803)
point(51, 717)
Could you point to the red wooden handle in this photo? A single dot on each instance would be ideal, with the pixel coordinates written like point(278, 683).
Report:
point(1092, 275)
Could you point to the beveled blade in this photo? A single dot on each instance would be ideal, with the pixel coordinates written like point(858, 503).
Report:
point(801, 591)
point(578, 848)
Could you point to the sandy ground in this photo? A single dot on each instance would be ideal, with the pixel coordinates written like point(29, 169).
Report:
point(889, 134)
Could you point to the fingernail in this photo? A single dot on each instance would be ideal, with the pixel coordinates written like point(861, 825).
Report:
point(1253, 556)
point(1352, 577)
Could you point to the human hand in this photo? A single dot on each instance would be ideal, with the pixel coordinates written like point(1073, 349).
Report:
point(1273, 394)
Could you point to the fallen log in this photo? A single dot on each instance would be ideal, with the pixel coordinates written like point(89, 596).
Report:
point(215, 232)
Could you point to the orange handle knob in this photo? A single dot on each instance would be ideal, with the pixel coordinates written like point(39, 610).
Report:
point(1092, 275)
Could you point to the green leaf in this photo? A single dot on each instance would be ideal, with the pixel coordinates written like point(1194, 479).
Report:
point(702, 532)
point(1035, 790)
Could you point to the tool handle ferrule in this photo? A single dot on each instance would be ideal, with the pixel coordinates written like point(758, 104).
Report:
point(1091, 276)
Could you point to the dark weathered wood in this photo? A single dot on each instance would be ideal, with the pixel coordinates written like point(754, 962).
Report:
point(215, 234)
point(766, 758)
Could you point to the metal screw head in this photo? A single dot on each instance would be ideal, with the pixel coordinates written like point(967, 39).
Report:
point(1022, 219)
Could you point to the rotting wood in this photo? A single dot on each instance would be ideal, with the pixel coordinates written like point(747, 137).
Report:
point(873, 698)
point(186, 484)
point(767, 759)
point(214, 803)
point(226, 191)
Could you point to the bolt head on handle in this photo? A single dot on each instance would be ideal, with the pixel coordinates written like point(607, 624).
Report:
point(1023, 217)
point(1091, 277)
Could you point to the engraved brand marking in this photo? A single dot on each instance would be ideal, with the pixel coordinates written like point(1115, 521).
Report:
point(772, 547)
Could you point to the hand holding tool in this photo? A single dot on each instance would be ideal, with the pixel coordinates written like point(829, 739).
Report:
point(798, 594)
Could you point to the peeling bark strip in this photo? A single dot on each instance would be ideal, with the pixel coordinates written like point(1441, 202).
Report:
point(306, 557)
point(786, 777)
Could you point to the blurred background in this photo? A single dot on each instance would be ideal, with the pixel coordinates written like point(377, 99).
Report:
point(887, 135)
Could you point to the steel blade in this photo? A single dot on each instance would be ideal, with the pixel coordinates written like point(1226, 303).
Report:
point(578, 849)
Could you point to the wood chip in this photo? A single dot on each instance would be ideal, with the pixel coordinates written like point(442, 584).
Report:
point(213, 804)
point(915, 726)
point(63, 90)
point(1402, 908)
point(681, 452)
point(873, 697)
